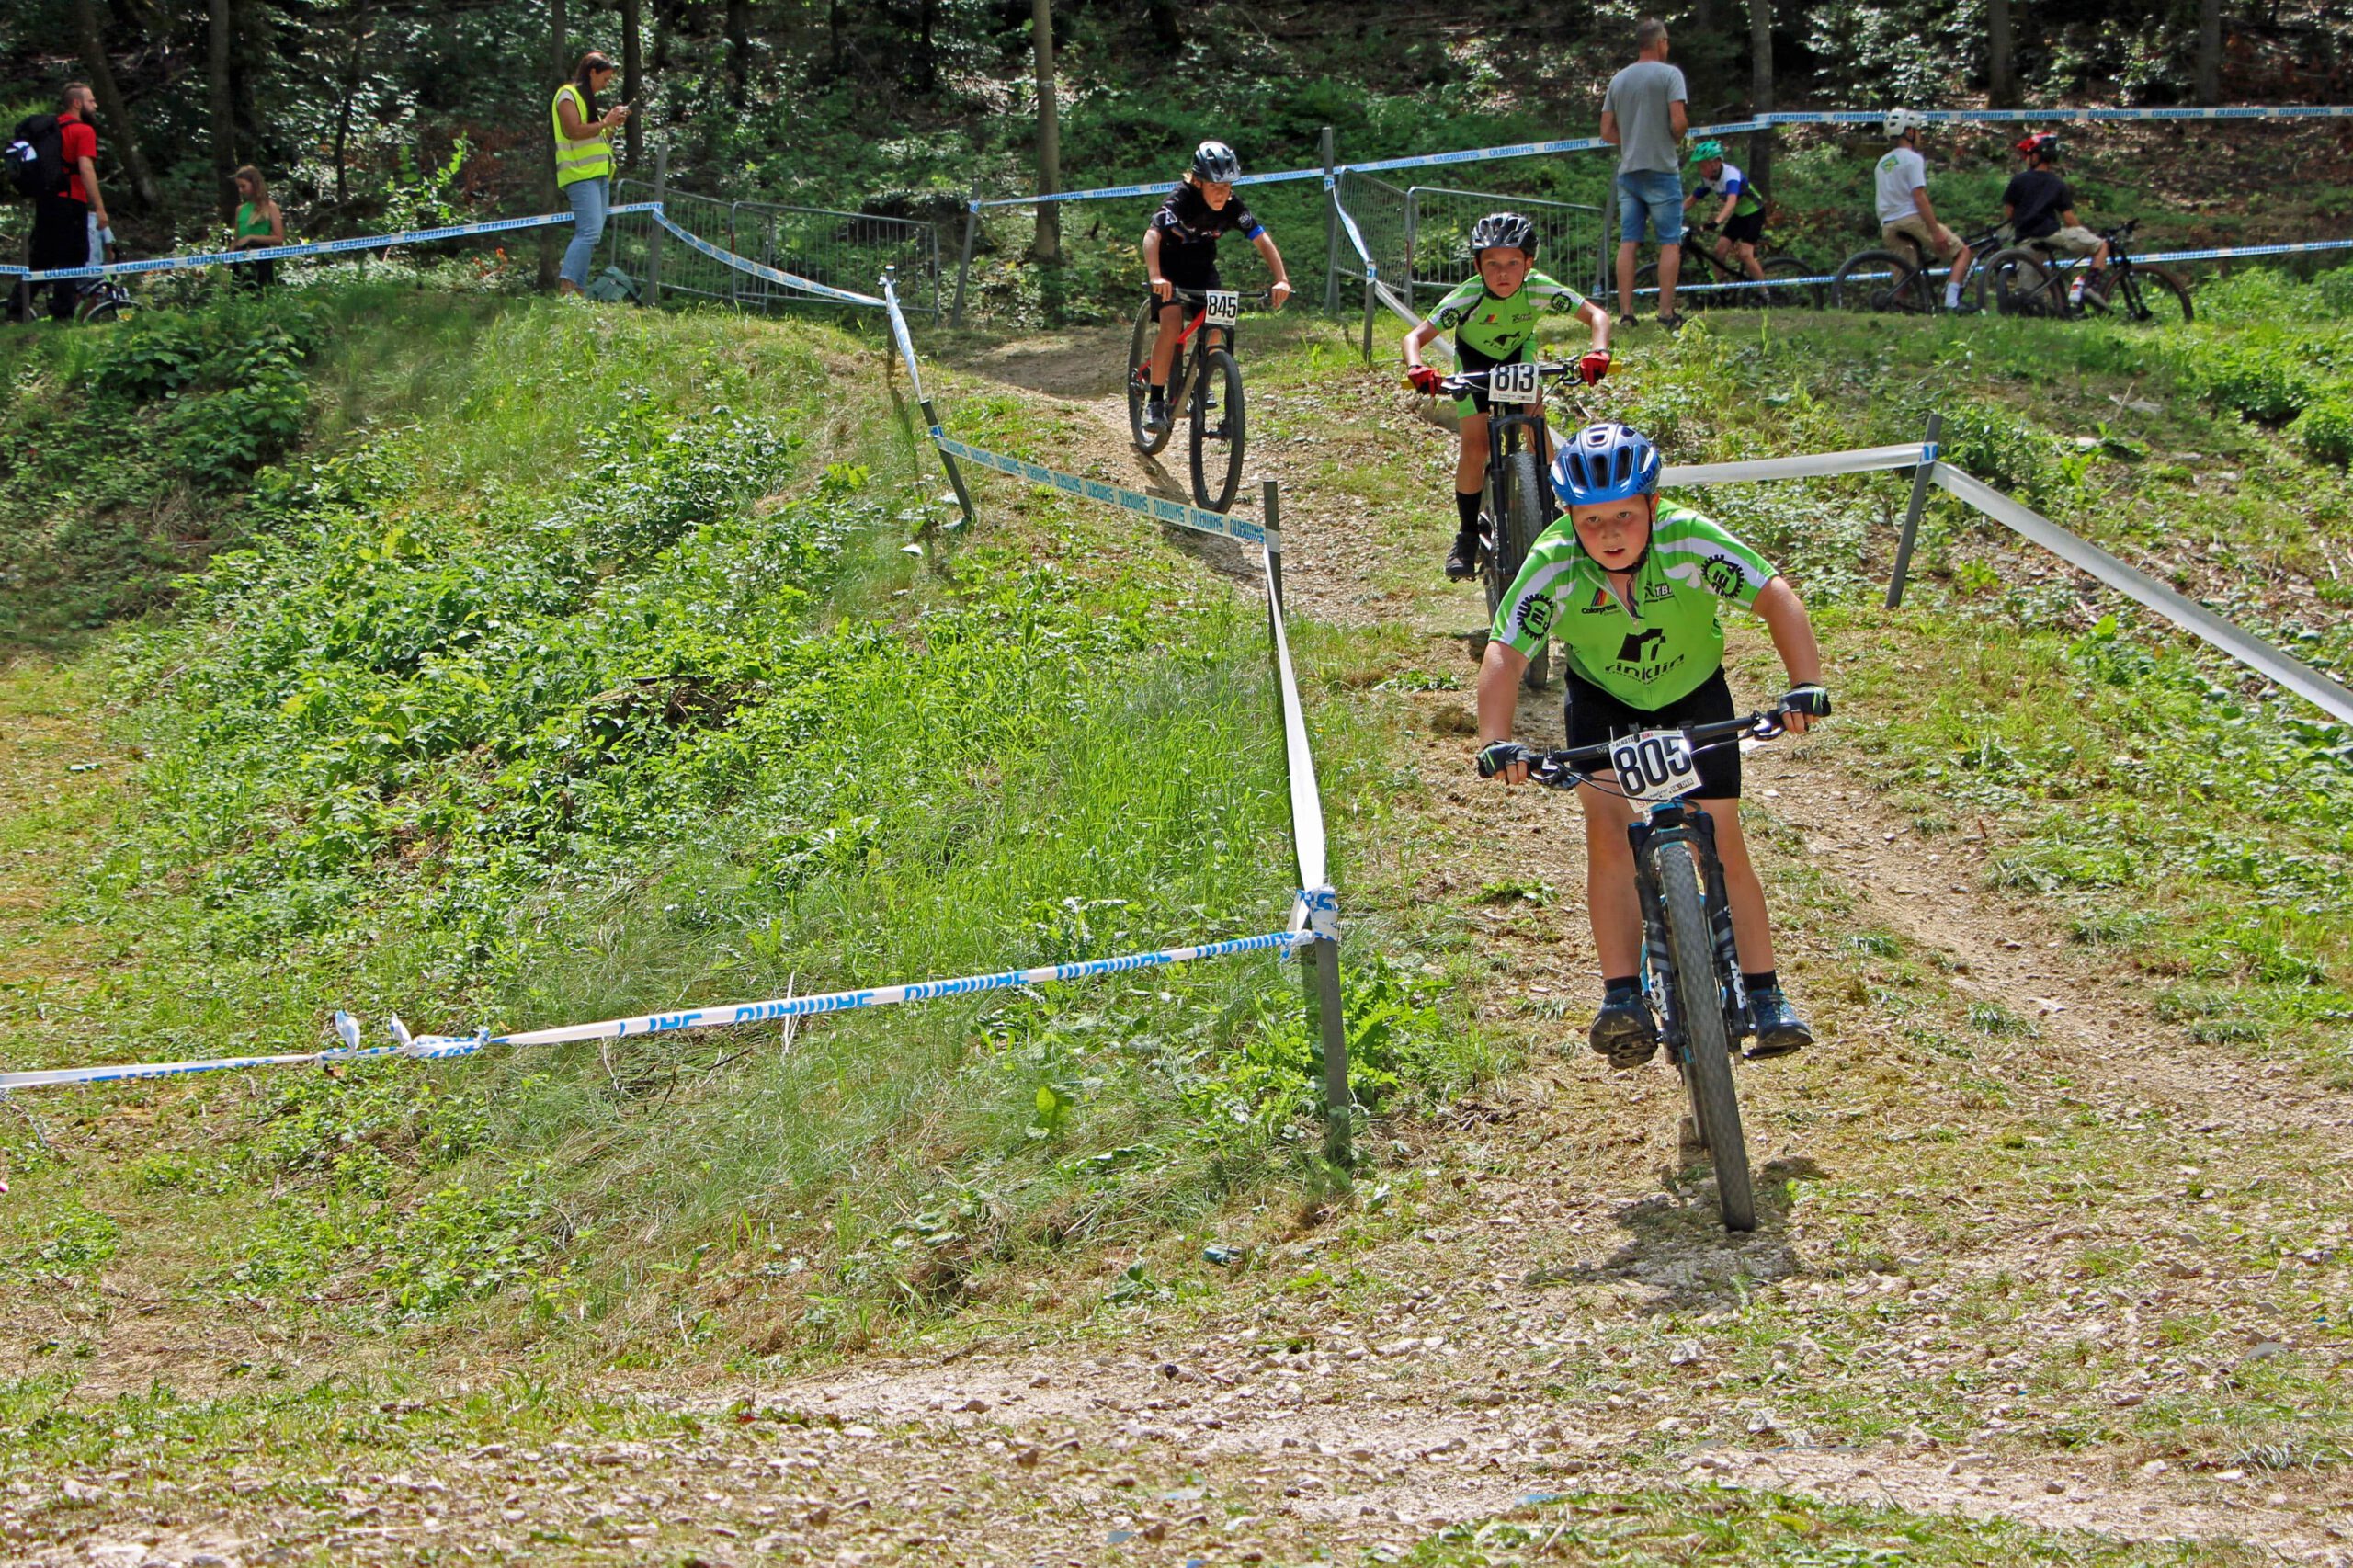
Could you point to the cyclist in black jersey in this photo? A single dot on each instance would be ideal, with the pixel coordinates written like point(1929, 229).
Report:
point(1180, 252)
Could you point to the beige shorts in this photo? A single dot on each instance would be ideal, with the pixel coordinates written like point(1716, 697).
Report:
point(2074, 240)
point(1913, 235)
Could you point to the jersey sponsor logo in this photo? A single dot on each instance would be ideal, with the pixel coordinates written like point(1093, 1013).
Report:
point(1639, 646)
point(1565, 302)
point(1451, 318)
point(1602, 603)
point(1647, 674)
point(1659, 591)
point(1724, 576)
point(1535, 614)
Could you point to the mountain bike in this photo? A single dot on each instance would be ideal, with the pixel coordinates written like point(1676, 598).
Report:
point(2028, 279)
point(1690, 963)
point(1518, 504)
point(1897, 281)
point(1775, 291)
point(1205, 380)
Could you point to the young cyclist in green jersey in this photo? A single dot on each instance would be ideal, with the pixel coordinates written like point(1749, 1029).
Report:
point(1630, 588)
point(1740, 219)
point(1494, 317)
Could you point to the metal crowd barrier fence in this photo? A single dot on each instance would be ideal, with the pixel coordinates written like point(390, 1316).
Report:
point(1437, 235)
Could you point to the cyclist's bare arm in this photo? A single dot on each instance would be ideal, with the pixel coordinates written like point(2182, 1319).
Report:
point(1419, 340)
point(1928, 211)
point(1724, 213)
point(1499, 700)
point(1792, 629)
point(1595, 316)
point(1160, 286)
point(1274, 260)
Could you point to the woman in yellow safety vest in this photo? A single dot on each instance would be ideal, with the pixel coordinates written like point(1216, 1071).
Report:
point(584, 161)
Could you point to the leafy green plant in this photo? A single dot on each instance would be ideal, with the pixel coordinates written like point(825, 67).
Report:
point(2326, 431)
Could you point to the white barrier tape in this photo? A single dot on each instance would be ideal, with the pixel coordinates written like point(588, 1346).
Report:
point(899, 332)
point(2192, 617)
point(1814, 465)
point(316, 247)
point(1299, 770)
point(436, 1047)
point(1356, 237)
point(759, 270)
point(1159, 508)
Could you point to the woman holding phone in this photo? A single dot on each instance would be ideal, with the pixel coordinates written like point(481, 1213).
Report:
point(584, 161)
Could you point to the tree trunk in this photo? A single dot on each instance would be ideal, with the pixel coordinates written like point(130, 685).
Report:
point(2001, 57)
point(224, 107)
point(632, 77)
point(1167, 26)
point(927, 49)
point(352, 63)
point(559, 69)
point(1048, 247)
point(118, 115)
point(1760, 92)
point(833, 38)
point(2210, 52)
point(739, 50)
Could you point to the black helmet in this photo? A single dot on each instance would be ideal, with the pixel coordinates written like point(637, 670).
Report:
point(1505, 229)
point(1215, 162)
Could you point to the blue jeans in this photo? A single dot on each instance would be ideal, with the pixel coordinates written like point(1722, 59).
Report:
point(1657, 192)
point(589, 199)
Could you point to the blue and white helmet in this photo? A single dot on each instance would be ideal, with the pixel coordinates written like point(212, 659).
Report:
point(1605, 462)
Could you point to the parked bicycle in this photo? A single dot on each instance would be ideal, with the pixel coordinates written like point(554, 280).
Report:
point(1518, 503)
point(1690, 964)
point(2030, 280)
point(1778, 267)
point(1205, 380)
point(1896, 282)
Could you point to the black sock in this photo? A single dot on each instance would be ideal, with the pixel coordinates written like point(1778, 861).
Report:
point(1160, 391)
point(1620, 988)
point(1767, 980)
point(1466, 506)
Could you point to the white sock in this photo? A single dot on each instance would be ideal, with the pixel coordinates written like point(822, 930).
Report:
point(1952, 296)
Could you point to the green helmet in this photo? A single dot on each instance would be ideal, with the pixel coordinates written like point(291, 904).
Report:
point(1711, 148)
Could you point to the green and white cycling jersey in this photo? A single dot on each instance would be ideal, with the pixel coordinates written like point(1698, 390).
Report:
point(1500, 327)
point(1671, 642)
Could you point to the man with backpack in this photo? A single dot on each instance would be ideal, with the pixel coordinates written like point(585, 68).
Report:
point(53, 162)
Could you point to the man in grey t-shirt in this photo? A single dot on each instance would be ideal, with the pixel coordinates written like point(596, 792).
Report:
point(1644, 116)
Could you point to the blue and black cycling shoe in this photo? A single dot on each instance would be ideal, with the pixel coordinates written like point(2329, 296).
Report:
point(1155, 416)
point(1623, 1031)
point(1778, 1028)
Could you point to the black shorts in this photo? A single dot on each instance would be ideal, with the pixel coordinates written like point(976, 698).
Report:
point(1748, 230)
point(1469, 358)
point(1592, 717)
point(1190, 268)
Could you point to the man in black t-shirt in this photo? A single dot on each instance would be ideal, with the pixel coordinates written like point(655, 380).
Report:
point(2039, 206)
point(1180, 252)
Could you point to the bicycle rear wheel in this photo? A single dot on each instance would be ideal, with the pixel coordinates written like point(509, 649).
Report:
point(2015, 282)
point(1516, 533)
point(1784, 295)
point(1217, 430)
point(2143, 294)
point(1707, 1048)
point(1140, 378)
point(1882, 280)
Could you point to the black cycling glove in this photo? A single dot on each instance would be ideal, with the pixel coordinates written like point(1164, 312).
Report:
point(1813, 701)
point(1496, 756)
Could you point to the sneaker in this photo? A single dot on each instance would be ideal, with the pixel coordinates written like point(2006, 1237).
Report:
point(1624, 1032)
point(1155, 416)
point(1967, 307)
point(1672, 323)
point(1778, 1028)
point(1627, 324)
point(1462, 557)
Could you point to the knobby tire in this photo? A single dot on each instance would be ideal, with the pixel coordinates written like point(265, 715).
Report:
point(1140, 378)
point(2160, 292)
point(1788, 296)
point(1700, 1004)
point(2015, 282)
point(1216, 405)
point(1906, 291)
point(1515, 535)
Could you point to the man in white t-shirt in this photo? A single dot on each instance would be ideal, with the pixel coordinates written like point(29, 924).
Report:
point(1907, 222)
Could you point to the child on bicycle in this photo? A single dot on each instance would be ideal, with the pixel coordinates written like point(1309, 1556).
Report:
point(1631, 589)
point(2039, 206)
point(1180, 252)
point(1494, 317)
point(1908, 223)
point(1739, 222)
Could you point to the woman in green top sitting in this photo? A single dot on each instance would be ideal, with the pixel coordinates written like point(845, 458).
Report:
point(259, 225)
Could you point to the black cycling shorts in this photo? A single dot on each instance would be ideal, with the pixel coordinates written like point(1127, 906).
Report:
point(1748, 231)
point(1592, 717)
point(1469, 358)
point(1193, 268)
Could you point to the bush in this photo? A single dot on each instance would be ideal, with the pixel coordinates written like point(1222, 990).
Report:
point(2260, 381)
point(2325, 430)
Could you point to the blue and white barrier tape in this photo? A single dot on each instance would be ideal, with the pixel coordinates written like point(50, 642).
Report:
point(1159, 508)
point(766, 273)
point(2231, 253)
point(316, 247)
point(1356, 235)
point(436, 1046)
point(1729, 128)
point(905, 339)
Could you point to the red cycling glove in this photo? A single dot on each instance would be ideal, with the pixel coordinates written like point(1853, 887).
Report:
point(1594, 366)
point(1423, 379)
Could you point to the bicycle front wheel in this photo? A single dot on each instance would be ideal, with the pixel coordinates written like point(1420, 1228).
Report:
point(1707, 1048)
point(1140, 377)
point(1882, 280)
point(1516, 533)
point(2015, 282)
point(2143, 294)
point(1785, 295)
point(1217, 430)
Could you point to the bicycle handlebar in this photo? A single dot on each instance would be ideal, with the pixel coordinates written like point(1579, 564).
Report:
point(1200, 296)
point(1464, 381)
point(1563, 770)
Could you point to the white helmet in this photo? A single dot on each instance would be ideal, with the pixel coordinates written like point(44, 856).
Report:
point(1901, 123)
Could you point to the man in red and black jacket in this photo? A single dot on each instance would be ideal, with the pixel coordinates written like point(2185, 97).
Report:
point(67, 221)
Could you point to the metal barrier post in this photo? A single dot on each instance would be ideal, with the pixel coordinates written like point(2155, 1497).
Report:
point(735, 278)
point(932, 269)
point(1331, 226)
point(964, 268)
point(1413, 230)
point(1922, 477)
point(1604, 285)
point(1371, 302)
point(654, 245)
